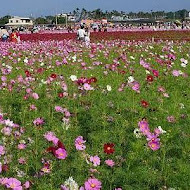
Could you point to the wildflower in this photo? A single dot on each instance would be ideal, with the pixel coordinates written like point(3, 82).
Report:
point(71, 184)
point(95, 160)
point(79, 143)
point(108, 88)
point(21, 146)
point(144, 104)
point(110, 163)
point(109, 148)
point(35, 96)
point(50, 136)
point(154, 145)
point(38, 121)
point(73, 77)
point(137, 133)
point(14, 184)
point(87, 87)
point(131, 79)
point(144, 127)
point(61, 153)
point(149, 78)
point(2, 150)
point(93, 184)
point(175, 73)
point(53, 76)
point(171, 119)
point(26, 185)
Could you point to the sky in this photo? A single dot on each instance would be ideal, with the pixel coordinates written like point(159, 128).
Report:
point(37, 8)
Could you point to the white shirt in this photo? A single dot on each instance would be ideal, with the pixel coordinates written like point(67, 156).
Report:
point(81, 33)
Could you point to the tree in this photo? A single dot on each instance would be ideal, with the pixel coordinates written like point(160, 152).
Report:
point(4, 20)
point(41, 20)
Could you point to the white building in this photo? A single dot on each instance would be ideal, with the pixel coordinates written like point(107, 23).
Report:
point(20, 21)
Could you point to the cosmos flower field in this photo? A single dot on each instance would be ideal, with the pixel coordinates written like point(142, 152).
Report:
point(112, 115)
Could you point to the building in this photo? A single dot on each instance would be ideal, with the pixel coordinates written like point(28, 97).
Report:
point(19, 21)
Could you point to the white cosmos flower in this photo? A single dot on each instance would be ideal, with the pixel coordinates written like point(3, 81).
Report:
point(131, 79)
point(183, 65)
point(161, 130)
point(73, 77)
point(147, 72)
point(108, 88)
point(131, 57)
point(26, 60)
point(137, 133)
point(74, 58)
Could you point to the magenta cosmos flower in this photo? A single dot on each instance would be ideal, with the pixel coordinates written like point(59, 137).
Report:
point(14, 184)
point(93, 184)
point(79, 143)
point(154, 145)
point(61, 153)
point(144, 127)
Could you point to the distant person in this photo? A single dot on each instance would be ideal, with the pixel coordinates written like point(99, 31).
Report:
point(14, 37)
point(81, 33)
point(87, 36)
point(4, 35)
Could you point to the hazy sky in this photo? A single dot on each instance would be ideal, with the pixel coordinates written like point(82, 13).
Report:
point(50, 7)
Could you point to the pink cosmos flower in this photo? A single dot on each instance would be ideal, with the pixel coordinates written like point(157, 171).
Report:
point(154, 145)
point(63, 187)
point(144, 127)
point(33, 107)
point(35, 96)
point(110, 163)
point(59, 109)
point(87, 87)
point(93, 184)
point(2, 150)
point(6, 131)
point(22, 160)
point(21, 146)
point(175, 73)
point(95, 160)
point(171, 119)
point(3, 180)
point(50, 136)
point(61, 153)
point(136, 86)
point(26, 185)
point(38, 121)
point(79, 143)
point(14, 184)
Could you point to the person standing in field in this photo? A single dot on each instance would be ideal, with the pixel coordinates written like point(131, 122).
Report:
point(87, 36)
point(14, 37)
point(81, 33)
point(4, 35)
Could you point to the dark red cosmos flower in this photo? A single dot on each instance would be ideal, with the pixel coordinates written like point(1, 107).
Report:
point(40, 70)
point(5, 167)
point(60, 95)
point(109, 148)
point(93, 79)
point(53, 76)
point(27, 73)
point(150, 78)
point(144, 104)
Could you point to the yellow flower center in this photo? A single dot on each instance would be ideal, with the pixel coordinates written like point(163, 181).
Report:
point(12, 185)
point(93, 185)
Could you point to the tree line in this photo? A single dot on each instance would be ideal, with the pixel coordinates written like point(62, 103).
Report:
point(99, 14)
